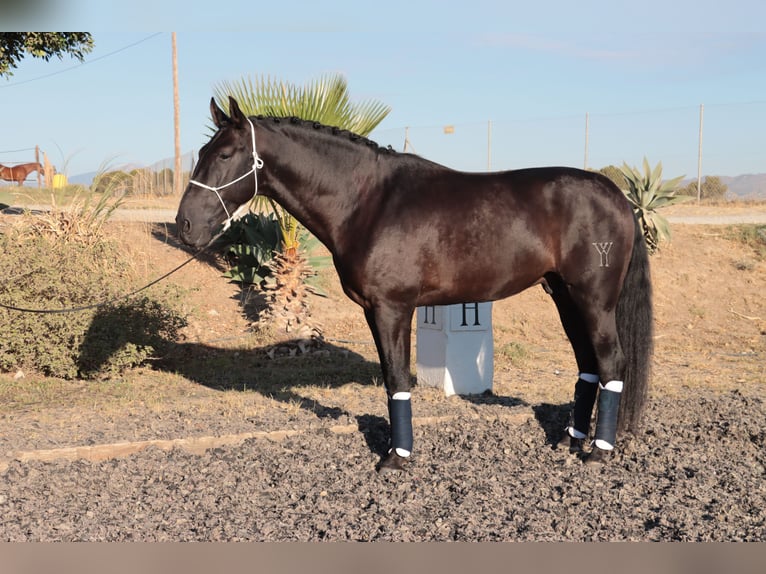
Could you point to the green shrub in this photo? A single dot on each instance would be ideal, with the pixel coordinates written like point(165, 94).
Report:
point(753, 235)
point(513, 352)
point(126, 335)
point(116, 182)
point(44, 271)
point(710, 188)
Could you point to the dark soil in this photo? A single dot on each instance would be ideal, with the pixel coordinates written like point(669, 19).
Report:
point(695, 474)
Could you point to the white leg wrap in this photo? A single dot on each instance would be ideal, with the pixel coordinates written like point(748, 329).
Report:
point(589, 377)
point(574, 433)
point(615, 386)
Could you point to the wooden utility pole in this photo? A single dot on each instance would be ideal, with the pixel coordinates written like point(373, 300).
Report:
point(37, 161)
point(177, 174)
point(587, 136)
point(699, 157)
point(489, 145)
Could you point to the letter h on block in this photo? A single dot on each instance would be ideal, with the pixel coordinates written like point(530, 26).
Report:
point(455, 347)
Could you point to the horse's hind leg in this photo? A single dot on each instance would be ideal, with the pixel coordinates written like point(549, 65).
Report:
point(602, 326)
point(586, 388)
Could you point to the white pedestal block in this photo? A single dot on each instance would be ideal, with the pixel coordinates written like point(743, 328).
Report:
point(455, 350)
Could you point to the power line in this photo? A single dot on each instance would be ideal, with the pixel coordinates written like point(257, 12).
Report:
point(18, 150)
point(75, 67)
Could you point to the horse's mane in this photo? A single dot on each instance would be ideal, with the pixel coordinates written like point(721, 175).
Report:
point(332, 130)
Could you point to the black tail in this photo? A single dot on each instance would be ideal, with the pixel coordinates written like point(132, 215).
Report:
point(635, 328)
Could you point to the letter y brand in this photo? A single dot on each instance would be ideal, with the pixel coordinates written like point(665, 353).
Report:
point(603, 250)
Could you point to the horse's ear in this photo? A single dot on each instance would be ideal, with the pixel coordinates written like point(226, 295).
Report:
point(237, 117)
point(219, 117)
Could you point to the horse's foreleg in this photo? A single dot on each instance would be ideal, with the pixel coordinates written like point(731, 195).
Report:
point(391, 329)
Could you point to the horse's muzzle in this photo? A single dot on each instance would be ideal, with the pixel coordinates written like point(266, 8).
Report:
point(189, 234)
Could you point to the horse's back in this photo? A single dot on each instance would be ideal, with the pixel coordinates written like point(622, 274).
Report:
point(462, 236)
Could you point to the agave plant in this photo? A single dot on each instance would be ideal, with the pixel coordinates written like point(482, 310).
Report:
point(325, 100)
point(647, 192)
point(252, 244)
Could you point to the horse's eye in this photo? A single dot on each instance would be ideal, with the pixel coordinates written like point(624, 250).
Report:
point(224, 156)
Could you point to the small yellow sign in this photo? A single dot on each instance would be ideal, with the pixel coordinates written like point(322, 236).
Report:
point(59, 181)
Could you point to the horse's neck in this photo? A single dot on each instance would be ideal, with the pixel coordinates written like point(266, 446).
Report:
point(316, 184)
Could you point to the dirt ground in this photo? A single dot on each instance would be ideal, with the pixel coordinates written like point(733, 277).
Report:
point(228, 443)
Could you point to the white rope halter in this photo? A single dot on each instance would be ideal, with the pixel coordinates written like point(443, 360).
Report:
point(257, 164)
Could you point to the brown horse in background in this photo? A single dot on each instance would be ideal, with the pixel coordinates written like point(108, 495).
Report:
point(19, 173)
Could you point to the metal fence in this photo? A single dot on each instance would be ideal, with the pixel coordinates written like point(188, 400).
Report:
point(731, 138)
point(714, 139)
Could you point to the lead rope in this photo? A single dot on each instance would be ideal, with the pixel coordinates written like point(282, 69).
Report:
point(108, 301)
point(257, 164)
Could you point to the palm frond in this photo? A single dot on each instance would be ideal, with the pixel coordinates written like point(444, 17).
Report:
point(325, 100)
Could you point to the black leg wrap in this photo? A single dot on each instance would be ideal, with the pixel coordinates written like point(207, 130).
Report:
point(584, 399)
point(608, 410)
point(400, 414)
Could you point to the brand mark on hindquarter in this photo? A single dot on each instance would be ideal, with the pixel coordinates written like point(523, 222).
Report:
point(603, 249)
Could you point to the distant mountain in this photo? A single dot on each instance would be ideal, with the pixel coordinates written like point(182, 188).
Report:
point(187, 164)
point(87, 178)
point(748, 186)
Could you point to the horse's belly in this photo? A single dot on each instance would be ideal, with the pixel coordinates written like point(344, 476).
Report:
point(488, 283)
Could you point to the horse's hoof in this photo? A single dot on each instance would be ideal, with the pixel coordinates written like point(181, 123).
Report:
point(575, 445)
point(597, 456)
point(392, 462)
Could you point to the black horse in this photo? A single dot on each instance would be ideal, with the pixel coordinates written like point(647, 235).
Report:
point(406, 232)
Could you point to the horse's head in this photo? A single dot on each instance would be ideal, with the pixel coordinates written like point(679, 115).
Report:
point(220, 182)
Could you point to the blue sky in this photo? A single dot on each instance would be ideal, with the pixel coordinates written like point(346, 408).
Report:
point(640, 70)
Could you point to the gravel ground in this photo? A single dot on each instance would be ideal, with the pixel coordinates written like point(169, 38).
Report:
point(695, 474)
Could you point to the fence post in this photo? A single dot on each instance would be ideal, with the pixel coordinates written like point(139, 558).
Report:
point(37, 161)
point(699, 157)
point(48, 167)
point(587, 136)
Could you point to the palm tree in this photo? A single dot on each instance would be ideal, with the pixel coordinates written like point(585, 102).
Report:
point(325, 100)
